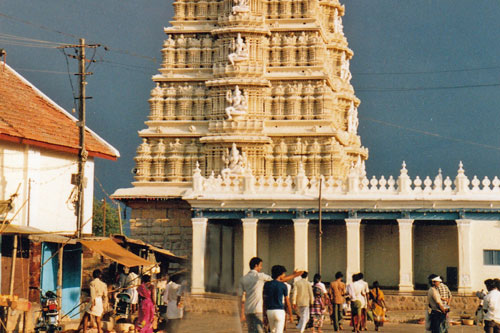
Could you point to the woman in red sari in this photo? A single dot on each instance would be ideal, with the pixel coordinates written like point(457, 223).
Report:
point(144, 323)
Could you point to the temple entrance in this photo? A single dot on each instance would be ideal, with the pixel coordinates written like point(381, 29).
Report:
point(275, 244)
point(380, 252)
point(435, 244)
point(333, 249)
point(223, 264)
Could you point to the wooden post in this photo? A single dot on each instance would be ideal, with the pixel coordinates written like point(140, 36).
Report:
point(60, 257)
point(104, 217)
point(13, 266)
point(320, 228)
point(120, 218)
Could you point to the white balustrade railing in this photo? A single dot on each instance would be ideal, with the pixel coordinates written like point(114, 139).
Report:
point(355, 185)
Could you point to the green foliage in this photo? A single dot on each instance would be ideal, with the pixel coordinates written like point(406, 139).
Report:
point(112, 221)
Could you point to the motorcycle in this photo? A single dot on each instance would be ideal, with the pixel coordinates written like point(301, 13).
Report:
point(122, 305)
point(49, 318)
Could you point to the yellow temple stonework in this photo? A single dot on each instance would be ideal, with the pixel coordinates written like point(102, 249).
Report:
point(251, 117)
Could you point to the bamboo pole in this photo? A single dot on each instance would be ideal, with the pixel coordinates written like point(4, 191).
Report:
point(320, 228)
point(13, 266)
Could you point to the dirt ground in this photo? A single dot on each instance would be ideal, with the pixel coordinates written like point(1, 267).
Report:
point(217, 323)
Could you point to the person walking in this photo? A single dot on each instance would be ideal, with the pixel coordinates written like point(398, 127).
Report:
point(437, 317)
point(378, 305)
point(250, 292)
point(132, 282)
point(275, 297)
point(302, 299)
point(318, 308)
point(491, 307)
point(365, 292)
point(98, 298)
point(173, 297)
point(336, 292)
point(144, 323)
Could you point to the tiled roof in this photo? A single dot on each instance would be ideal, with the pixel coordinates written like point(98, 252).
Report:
point(28, 116)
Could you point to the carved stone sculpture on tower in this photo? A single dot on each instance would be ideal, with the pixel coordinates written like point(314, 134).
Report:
point(238, 104)
point(352, 119)
point(345, 73)
point(240, 49)
point(236, 163)
point(240, 6)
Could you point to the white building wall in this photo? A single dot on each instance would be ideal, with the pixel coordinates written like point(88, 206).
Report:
point(485, 236)
point(44, 180)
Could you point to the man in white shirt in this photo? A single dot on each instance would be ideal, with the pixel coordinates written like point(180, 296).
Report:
point(252, 285)
point(491, 307)
point(302, 298)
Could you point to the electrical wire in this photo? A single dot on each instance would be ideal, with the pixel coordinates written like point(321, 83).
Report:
point(40, 71)
point(26, 39)
point(436, 135)
point(374, 89)
point(428, 72)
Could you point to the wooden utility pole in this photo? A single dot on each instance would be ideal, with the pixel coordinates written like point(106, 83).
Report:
point(104, 217)
point(320, 227)
point(82, 156)
point(79, 179)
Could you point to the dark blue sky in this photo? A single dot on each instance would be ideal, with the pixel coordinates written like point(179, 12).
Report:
point(427, 73)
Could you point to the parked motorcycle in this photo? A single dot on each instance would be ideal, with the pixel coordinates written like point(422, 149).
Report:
point(122, 305)
point(49, 318)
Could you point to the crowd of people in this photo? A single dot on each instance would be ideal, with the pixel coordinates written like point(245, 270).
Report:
point(153, 305)
point(268, 302)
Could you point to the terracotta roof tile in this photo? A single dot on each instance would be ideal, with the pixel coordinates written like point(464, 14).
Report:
point(27, 115)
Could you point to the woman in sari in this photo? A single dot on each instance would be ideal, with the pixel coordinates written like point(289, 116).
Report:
point(146, 316)
point(377, 305)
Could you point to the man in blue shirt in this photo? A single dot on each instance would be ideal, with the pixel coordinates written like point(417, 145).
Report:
point(275, 299)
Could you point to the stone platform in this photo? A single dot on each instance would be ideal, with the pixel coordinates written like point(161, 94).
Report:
point(402, 308)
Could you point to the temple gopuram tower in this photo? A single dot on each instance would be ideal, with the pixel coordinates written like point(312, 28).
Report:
point(253, 97)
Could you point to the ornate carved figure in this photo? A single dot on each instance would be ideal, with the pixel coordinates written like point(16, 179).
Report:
point(240, 6)
point(236, 163)
point(240, 49)
point(237, 103)
point(352, 119)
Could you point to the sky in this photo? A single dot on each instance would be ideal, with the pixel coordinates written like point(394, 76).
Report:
point(427, 73)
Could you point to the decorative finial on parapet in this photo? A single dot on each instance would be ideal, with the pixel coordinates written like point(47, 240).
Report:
point(438, 181)
point(461, 181)
point(403, 170)
point(404, 182)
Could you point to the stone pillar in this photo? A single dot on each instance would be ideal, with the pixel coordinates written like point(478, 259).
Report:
point(249, 241)
point(198, 259)
point(405, 255)
point(353, 247)
point(464, 256)
point(300, 227)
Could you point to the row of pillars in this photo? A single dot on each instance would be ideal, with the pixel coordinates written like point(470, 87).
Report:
point(353, 250)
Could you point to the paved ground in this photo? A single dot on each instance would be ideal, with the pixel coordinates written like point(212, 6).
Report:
point(214, 323)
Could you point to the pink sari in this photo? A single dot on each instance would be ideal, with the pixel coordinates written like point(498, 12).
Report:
point(145, 319)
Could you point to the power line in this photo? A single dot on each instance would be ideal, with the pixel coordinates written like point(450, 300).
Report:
point(106, 47)
point(428, 72)
point(428, 88)
point(436, 135)
point(38, 26)
point(21, 38)
point(40, 70)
